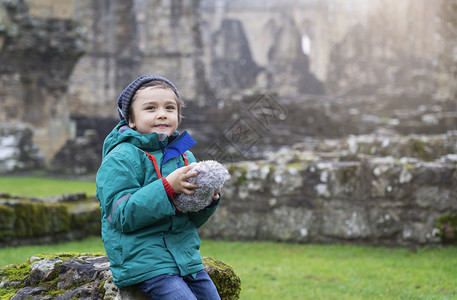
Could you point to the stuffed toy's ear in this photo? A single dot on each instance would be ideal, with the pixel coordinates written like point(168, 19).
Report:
point(211, 177)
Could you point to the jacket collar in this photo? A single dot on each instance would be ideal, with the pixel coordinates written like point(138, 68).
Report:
point(178, 146)
point(149, 142)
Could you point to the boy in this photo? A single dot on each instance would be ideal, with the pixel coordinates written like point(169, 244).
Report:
point(145, 163)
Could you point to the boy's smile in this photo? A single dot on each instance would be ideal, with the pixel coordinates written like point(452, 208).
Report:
point(154, 109)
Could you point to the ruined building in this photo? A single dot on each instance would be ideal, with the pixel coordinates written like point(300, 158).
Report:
point(360, 98)
point(337, 67)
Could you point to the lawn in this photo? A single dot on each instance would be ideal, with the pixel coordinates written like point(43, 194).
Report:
point(44, 187)
point(286, 271)
point(296, 271)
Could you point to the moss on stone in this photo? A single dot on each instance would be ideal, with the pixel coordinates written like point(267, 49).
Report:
point(87, 221)
point(347, 174)
point(20, 273)
point(447, 226)
point(227, 282)
point(7, 217)
point(17, 276)
point(296, 165)
point(23, 218)
point(14, 273)
point(34, 219)
point(242, 178)
point(420, 148)
point(239, 171)
point(101, 288)
point(67, 255)
point(6, 294)
point(408, 166)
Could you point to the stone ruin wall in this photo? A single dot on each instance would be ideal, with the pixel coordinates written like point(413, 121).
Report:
point(392, 27)
point(126, 39)
point(37, 57)
point(101, 50)
point(183, 42)
point(52, 79)
point(394, 190)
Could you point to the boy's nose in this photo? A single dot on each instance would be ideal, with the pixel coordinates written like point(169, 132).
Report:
point(162, 113)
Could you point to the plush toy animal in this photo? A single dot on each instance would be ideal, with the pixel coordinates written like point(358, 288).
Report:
point(211, 177)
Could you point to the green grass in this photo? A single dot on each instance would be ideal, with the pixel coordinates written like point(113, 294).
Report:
point(293, 271)
point(286, 271)
point(44, 187)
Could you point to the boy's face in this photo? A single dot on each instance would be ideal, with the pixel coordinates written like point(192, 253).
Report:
point(155, 109)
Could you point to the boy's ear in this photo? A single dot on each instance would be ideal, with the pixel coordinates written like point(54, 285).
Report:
point(131, 123)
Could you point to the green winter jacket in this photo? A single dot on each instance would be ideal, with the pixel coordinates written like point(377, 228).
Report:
point(143, 234)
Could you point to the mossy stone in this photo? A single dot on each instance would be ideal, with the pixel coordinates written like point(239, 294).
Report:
point(16, 277)
point(447, 226)
point(7, 217)
point(34, 219)
point(227, 282)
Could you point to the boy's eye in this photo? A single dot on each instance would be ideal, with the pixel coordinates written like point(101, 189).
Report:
point(171, 107)
point(150, 107)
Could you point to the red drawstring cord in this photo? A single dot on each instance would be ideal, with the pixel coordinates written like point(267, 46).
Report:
point(154, 161)
point(186, 161)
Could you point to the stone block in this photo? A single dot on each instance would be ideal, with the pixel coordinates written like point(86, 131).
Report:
point(434, 197)
point(346, 222)
point(227, 224)
point(385, 223)
point(334, 180)
point(432, 173)
point(17, 150)
point(286, 181)
point(419, 227)
point(390, 179)
point(287, 224)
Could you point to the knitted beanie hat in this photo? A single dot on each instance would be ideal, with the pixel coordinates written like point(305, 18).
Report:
point(125, 98)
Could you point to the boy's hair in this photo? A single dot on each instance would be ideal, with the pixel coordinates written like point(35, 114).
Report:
point(159, 84)
point(126, 97)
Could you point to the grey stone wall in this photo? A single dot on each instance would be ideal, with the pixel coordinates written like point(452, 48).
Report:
point(126, 39)
point(69, 60)
point(306, 196)
point(394, 190)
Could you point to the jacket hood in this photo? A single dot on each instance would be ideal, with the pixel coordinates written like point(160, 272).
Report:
point(147, 142)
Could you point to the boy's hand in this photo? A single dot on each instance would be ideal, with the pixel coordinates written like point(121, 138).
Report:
point(216, 195)
point(178, 180)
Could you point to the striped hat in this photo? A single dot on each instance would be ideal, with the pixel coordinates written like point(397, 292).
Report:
point(125, 98)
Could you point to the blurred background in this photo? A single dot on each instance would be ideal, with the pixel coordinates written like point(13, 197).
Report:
point(337, 120)
point(334, 68)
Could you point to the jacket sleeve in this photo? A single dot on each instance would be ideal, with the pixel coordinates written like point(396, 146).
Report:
point(200, 217)
point(123, 201)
